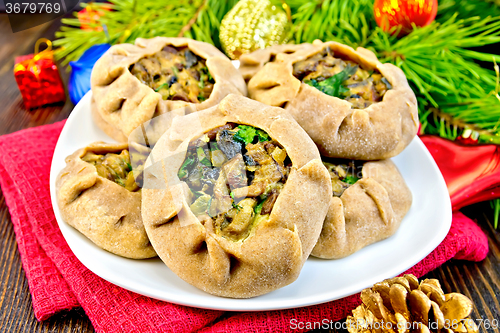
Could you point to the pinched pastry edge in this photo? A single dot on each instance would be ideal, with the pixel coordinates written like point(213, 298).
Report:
point(367, 212)
point(276, 249)
point(105, 212)
point(251, 63)
point(121, 102)
point(380, 131)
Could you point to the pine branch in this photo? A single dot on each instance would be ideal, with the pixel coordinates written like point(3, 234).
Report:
point(465, 9)
point(192, 21)
point(349, 22)
point(127, 20)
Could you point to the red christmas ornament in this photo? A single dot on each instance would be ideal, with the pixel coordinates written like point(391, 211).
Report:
point(89, 18)
point(38, 78)
point(392, 15)
point(468, 137)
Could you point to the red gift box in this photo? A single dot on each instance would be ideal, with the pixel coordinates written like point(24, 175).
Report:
point(38, 77)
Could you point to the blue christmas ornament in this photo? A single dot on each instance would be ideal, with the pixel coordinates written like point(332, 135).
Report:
point(79, 80)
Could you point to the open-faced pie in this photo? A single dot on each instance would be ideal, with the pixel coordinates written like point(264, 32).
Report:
point(368, 204)
point(235, 197)
point(350, 104)
point(133, 83)
point(97, 195)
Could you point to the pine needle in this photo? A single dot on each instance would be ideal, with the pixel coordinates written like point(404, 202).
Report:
point(495, 205)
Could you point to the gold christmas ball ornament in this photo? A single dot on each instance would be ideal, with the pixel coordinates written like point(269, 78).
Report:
point(252, 25)
point(402, 304)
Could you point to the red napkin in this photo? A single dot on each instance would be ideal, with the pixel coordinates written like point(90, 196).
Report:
point(58, 281)
point(472, 172)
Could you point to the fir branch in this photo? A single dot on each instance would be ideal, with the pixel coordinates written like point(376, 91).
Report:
point(349, 22)
point(465, 9)
point(444, 73)
point(126, 21)
point(451, 127)
point(192, 20)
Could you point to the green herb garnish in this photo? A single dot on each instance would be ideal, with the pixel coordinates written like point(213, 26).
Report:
point(246, 134)
point(214, 146)
point(333, 85)
point(235, 205)
point(212, 212)
point(350, 179)
point(183, 171)
point(263, 136)
point(197, 194)
point(162, 86)
point(200, 205)
point(202, 157)
point(205, 76)
point(175, 70)
point(258, 208)
point(207, 72)
point(201, 83)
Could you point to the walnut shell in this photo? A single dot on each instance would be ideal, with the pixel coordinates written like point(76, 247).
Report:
point(409, 308)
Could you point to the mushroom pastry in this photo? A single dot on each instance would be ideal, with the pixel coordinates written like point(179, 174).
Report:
point(235, 205)
point(251, 63)
point(97, 195)
point(350, 104)
point(368, 203)
point(131, 84)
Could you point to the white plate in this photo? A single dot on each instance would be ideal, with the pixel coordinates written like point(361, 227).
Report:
point(423, 228)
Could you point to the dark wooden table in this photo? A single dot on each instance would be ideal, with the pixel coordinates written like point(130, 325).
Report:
point(478, 281)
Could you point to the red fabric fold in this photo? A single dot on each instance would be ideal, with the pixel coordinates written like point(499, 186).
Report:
point(471, 172)
point(48, 288)
point(58, 281)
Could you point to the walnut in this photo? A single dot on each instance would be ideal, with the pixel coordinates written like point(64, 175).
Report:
point(402, 304)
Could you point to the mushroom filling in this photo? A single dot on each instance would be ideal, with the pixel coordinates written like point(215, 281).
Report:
point(176, 73)
point(115, 167)
point(343, 174)
point(235, 174)
point(340, 78)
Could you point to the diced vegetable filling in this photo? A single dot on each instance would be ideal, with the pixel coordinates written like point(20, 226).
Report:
point(235, 174)
point(175, 73)
point(115, 167)
point(340, 78)
point(343, 174)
